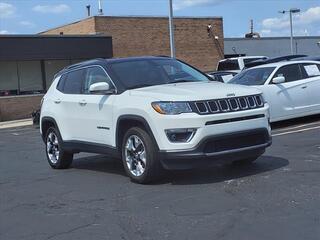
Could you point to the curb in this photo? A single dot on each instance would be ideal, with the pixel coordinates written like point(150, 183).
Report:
point(16, 123)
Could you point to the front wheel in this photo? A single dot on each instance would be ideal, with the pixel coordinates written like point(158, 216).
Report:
point(139, 156)
point(57, 157)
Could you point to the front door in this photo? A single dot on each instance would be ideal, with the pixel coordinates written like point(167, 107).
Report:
point(96, 109)
point(287, 99)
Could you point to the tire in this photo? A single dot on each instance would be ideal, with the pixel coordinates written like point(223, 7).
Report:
point(139, 156)
point(56, 156)
point(246, 161)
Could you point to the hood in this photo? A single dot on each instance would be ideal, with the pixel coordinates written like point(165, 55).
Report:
point(194, 91)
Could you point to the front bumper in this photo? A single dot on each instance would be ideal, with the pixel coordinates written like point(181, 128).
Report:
point(218, 149)
point(206, 125)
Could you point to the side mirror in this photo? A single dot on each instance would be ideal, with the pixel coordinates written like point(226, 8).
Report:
point(100, 87)
point(211, 77)
point(278, 80)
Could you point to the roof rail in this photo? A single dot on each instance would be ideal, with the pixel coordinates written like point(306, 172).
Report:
point(163, 56)
point(70, 67)
point(82, 63)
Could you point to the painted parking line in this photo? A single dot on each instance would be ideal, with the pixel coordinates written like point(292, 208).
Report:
point(297, 126)
point(295, 131)
point(22, 130)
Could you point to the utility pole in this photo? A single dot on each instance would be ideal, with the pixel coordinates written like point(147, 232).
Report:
point(171, 30)
point(100, 11)
point(291, 11)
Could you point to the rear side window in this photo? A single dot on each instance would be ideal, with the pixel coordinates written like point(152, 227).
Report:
point(290, 72)
point(228, 65)
point(61, 83)
point(310, 70)
point(73, 82)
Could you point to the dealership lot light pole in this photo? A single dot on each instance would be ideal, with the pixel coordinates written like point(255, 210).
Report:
point(291, 11)
point(171, 30)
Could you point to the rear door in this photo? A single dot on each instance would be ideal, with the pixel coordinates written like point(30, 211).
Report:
point(67, 104)
point(287, 99)
point(311, 74)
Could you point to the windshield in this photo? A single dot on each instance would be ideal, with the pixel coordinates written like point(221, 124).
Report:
point(150, 72)
point(228, 65)
point(256, 76)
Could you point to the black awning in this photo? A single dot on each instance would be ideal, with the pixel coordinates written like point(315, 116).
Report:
point(39, 47)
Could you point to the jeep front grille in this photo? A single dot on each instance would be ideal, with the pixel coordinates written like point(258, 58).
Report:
point(228, 104)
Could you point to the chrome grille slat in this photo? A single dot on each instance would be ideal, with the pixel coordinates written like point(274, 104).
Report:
point(236, 102)
point(259, 100)
point(232, 104)
point(223, 109)
point(203, 104)
point(216, 106)
point(241, 106)
point(253, 104)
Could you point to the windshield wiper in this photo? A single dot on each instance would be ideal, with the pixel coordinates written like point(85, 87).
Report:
point(140, 86)
point(181, 81)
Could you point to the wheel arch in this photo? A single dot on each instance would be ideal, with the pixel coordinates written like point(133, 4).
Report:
point(46, 123)
point(125, 122)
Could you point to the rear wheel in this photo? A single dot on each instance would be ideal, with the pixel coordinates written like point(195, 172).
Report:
point(57, 157)
point(139, 156)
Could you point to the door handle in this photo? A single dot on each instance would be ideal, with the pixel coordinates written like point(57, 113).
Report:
point(82, 103)
point(304, 87)
point(57, 101)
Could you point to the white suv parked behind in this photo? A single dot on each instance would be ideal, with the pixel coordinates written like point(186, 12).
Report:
point(291, 88)
point(236, 64)
point(154, 113)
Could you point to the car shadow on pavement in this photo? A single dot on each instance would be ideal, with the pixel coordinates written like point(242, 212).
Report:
point(99, 163)
point(215, 174)
point(225, 172)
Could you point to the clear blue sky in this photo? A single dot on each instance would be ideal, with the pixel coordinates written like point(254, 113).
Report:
point(33, 16)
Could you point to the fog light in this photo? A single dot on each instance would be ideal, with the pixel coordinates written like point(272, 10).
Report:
point(180, 135)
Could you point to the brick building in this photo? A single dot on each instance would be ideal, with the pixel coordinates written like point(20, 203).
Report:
point(28, 63)
point(136, 36)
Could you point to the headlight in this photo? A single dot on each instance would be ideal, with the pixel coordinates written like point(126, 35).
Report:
point(171, 108)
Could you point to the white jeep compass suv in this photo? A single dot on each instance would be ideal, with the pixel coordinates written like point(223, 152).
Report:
point(152, 112)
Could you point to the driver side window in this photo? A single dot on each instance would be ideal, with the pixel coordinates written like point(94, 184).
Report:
point(290, 72)
point(95, 75)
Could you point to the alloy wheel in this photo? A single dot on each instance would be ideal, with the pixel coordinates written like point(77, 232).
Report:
point(53, 151)
point(135, 154)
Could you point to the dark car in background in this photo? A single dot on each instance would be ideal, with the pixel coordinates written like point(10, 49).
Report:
point(309, 58)
point(273, 60)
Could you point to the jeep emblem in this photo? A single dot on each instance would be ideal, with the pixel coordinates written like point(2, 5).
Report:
point(231, 95)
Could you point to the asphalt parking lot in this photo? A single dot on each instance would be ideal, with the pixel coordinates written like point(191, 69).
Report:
point(277, 197)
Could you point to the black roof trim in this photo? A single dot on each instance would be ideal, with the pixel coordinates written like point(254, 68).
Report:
point(53, 36)
point(104, 61)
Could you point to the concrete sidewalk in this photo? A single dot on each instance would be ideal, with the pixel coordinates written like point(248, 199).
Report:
point(16, 123)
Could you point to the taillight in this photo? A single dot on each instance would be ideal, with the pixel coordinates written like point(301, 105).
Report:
point(41, 102)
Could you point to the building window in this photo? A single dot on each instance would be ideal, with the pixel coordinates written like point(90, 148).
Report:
point(52, 67)
point(9, 83)
point(30, 77)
